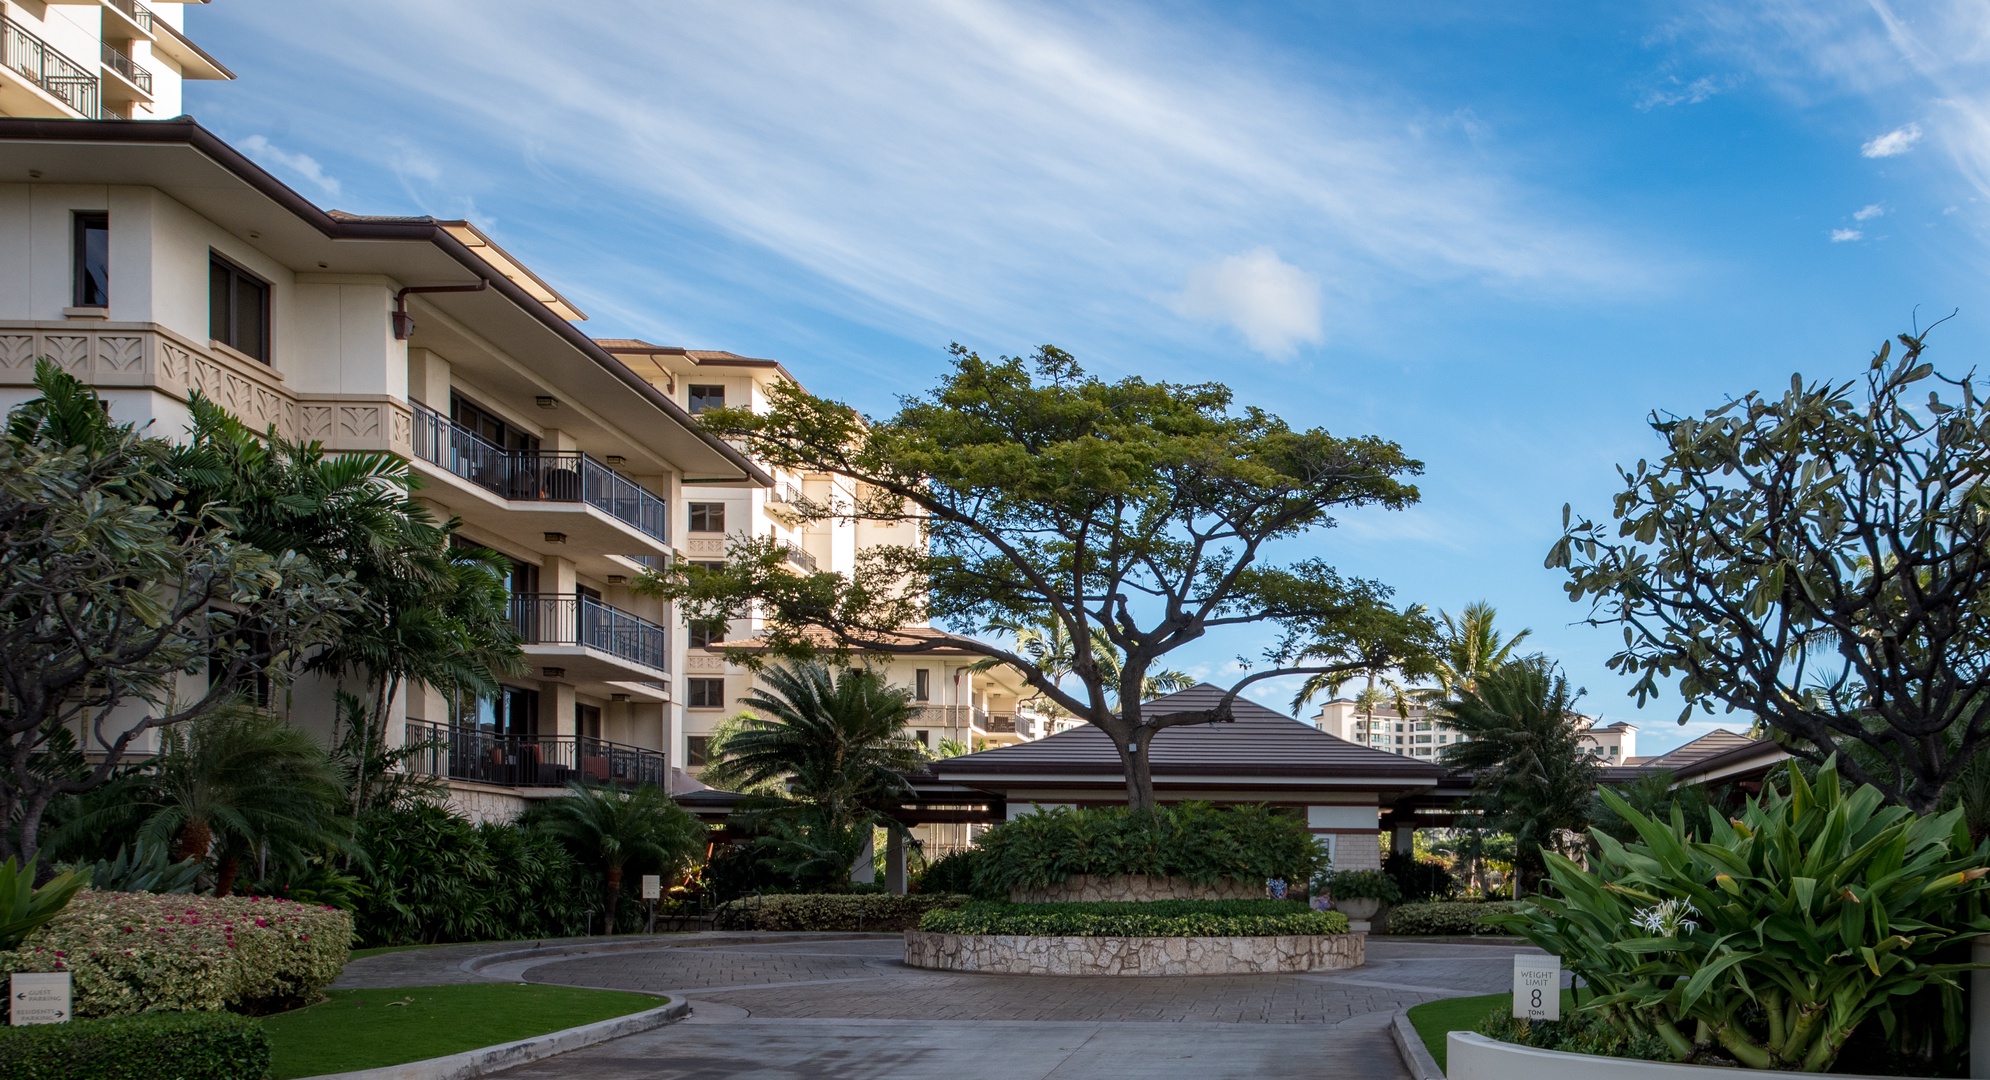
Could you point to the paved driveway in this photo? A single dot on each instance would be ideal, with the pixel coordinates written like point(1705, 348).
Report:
point(768, 1007)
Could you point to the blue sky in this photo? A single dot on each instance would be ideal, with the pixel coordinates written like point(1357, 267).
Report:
point(1500, 238)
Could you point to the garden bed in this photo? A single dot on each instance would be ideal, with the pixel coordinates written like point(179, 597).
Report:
point(1178, 937)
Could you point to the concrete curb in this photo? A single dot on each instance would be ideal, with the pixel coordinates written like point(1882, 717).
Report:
point(571, 950)
point(490, 1059)
point(1416, 1057)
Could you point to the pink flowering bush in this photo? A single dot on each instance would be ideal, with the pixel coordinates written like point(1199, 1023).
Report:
point(141, 952)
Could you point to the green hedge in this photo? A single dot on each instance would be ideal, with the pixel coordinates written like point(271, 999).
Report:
point(829, 911)
point(1155, 918)
point(1446, 918)
point(1197, 841)
point(149, 1046)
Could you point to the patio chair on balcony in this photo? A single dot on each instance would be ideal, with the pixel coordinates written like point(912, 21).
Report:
point(562, 485)
point(595, 767)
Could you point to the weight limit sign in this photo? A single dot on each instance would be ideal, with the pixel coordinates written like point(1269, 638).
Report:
point(1537, 987)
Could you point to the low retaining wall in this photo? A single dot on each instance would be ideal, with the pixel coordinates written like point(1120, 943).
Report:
point(1017, 954)
point(1471, 1056)
point(1135, 888)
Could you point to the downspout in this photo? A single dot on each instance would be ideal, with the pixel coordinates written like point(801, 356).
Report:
point(404, 323)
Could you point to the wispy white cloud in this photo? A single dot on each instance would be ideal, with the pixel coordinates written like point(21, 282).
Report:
point(975, 166)
point(294, 165)
point(1274, 304)
point(1840, 236)
point(1675, 91)
point(1868, 212)
point(1892, 144)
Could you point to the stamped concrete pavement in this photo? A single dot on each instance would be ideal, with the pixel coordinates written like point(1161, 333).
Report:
point(772, 1007)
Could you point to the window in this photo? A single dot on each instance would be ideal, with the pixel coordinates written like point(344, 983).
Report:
point(93, 260)
point(587, 720)
point(696, 750)
point(708, 517)
point(514, 711)
point(706, 693)
point(706, 397)
point(707, 632)
point(237, 308)
point(489, 426)
point(922, 684)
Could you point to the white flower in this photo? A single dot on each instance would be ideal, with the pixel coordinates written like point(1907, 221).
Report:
point(1669, 919)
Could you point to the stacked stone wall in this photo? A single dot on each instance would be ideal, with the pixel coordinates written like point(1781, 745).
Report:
point(1028, 955)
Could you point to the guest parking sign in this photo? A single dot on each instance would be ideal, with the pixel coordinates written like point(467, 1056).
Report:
point(1537, 987)
point(38, 998)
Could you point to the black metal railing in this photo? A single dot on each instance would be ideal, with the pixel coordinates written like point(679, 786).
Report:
point(462, 753)
point(73, 84)
point(136, 12)
point(793, 553)
point(127, 67)
point(785, 492)
point(538, 475)
point(951, 716)
point(569, 619)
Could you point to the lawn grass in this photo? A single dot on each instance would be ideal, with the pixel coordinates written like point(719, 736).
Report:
point(363, 1029)
point(1434, 1020)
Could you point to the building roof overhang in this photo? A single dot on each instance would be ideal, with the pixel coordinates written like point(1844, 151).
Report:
point(196, 168)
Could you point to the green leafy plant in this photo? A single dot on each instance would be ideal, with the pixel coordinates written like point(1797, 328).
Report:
point(1362, 885)
point(1446, 918)
point(1197, 841)
point(1774, 940)
point(1418, 878)
point(829, 911)
point(184, 1046)
point(1153, 918)
point(615, 831)
point(145, 868)
point(956, 872)
point(24, 908)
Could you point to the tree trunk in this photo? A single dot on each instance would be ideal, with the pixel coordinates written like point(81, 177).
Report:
point(1134, 756)
point(614, 896)
point(224, 875)
point(194, 840)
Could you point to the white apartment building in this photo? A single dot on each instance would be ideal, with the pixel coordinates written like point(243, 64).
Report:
point(153, 260)
point(98, 59)
point(1421, 735)
point(955, 702)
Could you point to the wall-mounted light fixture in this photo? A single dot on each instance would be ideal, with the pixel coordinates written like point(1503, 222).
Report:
point(618, 579)
point(615, 461)
point(547, 401)
point(556, 538)
point(553, 672)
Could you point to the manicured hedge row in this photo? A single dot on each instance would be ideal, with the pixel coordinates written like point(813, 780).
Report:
point(1197, 841)
point(1446, 918)
point(829, 911)
point(140, 952)
point(1156, 918)
point(151, 1046)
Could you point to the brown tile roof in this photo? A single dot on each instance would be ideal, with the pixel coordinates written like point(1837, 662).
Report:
point(1259, 742)
point(1706, 746)
point(932, 642)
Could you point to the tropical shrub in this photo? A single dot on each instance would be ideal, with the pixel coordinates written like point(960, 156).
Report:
point(1419, 879)
point(955, 872)
point(1577, 1032)
point(143, 869)
point(1775, 940)
point(1197, 841)
point(184, 1046)
point(862, 912)
point(141, 952)
point(435, 877)
point(1153, 918)
point(1447, 918)
point(1361, 885)
point(616, 831)
point(23, 908)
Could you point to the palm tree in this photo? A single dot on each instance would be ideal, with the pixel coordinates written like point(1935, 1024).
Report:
point(1469, 649)
point(832, 737)
point(1524, 748)
point(616, 831)
point(237, 784)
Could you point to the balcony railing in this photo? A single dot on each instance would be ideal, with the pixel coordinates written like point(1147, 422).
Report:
point(137, 13)
point(568, 619)
point(538, 475)
point(459, 753)
point(794, 554)
point(952, 716)
point(127, 67)
point(73, 84)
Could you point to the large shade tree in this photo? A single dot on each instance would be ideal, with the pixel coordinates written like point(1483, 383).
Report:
point(1147, 512)
point(1818, 559)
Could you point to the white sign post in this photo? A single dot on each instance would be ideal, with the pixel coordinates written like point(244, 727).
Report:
point(38, 998)
point(1537, 987)
point(652, 889)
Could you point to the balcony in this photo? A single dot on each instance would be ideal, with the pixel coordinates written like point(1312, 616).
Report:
point(950, 716)
point(782, 499)
point(587, 640)
point(544, 499)
point(482, 757)
point(798, 558)
point(28, 61)
point(125, 80)
point(128, 20)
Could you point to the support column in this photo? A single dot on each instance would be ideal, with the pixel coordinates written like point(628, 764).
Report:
point(1402, 839)
point(894, 863)
point(863, 871)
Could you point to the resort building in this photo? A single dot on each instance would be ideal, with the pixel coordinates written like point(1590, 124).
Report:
point(958, 702)
point(153, 260)
point(98, 59)
point(1419, 734)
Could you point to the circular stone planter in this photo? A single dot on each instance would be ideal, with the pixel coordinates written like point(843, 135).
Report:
point(1007, 954)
